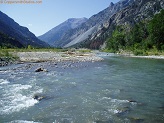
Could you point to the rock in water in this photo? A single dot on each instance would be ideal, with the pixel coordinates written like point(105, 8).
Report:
point(39, 98)
point(132, 101)
point(41, 70)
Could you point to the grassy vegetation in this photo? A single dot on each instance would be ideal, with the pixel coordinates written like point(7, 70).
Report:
point(5, 53)
point(84, 50)
point(33, 50)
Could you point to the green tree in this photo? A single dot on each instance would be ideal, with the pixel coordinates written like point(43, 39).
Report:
point(117, 40)
point(156, 30)
point(29, 47)
point(144, 36)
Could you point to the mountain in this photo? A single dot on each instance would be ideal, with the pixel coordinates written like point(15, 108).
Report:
point(13, 33)
point(94, 32)
point(57, 32)
point(134, 12)
point(9, 42)
point(91, 26)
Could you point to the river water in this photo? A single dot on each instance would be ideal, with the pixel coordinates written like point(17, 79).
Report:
point(116, 90)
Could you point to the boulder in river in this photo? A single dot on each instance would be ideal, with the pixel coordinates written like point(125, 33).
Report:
point(132, 101)
point(39, 98)
point(41, 70)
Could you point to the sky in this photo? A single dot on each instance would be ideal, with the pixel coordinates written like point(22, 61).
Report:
point(41, 17)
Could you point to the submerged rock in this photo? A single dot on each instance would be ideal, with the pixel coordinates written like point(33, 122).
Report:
point(161, 108)
point(137, 103)
point(123, 111)
point(136, 120)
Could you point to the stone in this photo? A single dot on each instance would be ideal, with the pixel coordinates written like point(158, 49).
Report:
point(132, 101)
point(41, 70)
point(39, 98)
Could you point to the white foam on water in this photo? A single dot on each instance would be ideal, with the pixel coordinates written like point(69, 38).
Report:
point(116, 101)
point(2, 82)
point(106, 98)
point(114, 104)
point(99, 68)
point(73, 83)
point(114, 110)
point(16, 97)
point(119, 101)
point(23, 121)
point(19, 87)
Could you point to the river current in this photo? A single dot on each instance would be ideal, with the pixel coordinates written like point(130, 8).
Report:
point(116, 90)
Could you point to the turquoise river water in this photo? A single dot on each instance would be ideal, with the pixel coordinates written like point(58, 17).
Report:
point(116, 90)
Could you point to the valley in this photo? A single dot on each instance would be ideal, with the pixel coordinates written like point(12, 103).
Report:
point(103, 68)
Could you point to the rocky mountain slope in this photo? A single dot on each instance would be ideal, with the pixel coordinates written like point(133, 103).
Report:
point(134, 13)
point(57, 32)
point(17, 34)
point(94, 32)
point(92, 25)
point(66, 35)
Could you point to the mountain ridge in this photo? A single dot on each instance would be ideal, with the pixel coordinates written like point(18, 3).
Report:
point(137, 11)
point(83, 31)
point(57, 32)
point(22, 34)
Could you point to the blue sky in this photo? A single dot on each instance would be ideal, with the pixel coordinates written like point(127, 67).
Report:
point(40, 18)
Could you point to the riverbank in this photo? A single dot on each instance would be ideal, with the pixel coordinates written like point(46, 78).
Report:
point(44, 56)
point(56, 56)
point(75, 56)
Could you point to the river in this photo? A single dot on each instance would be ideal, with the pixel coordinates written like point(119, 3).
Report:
point(116, 90)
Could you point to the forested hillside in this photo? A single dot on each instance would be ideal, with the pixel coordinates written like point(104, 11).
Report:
point(9, 42)
point(143, 37)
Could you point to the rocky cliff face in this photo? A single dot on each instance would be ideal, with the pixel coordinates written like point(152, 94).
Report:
point(135, 12)
point(11, 29)
point(54, 35)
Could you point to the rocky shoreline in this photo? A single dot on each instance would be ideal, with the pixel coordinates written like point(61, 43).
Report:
point(50, 56)
point(60, 57)
point(56, 56)
point(4, 61)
